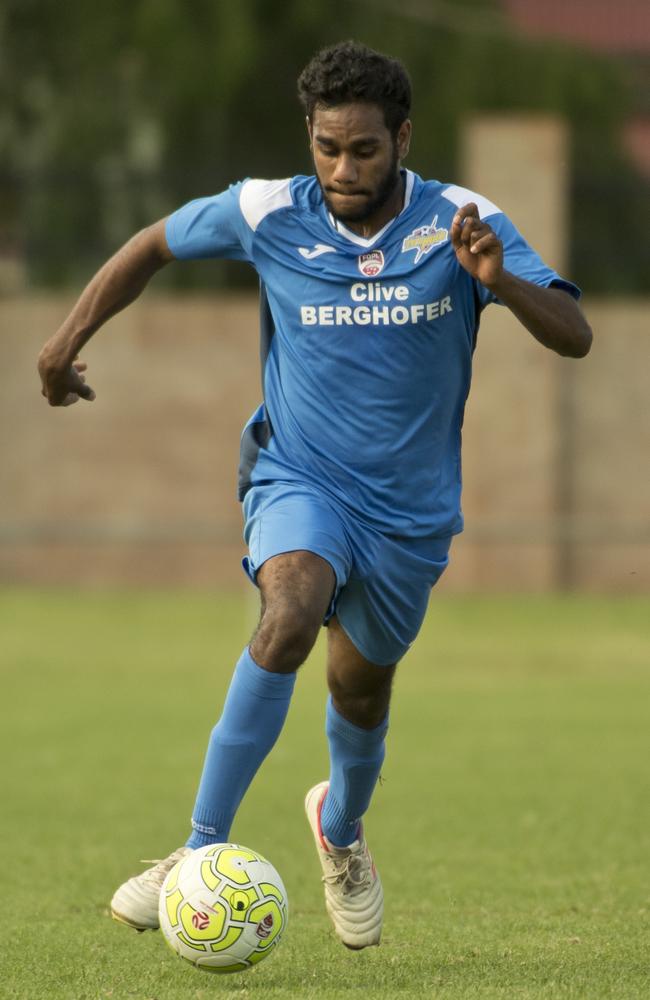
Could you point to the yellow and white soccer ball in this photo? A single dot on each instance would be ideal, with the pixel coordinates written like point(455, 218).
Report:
point(223, 908)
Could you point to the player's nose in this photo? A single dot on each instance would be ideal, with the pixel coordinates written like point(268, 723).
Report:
point(345, 171)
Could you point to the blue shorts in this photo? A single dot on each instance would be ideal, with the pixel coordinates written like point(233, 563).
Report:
point(383, 582)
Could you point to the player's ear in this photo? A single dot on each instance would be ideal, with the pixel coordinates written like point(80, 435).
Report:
point(403, 140)
point(309, 129)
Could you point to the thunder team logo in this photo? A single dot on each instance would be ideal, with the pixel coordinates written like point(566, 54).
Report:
point(424, 239)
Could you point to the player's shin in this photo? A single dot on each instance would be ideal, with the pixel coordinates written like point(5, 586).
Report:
point(253, 715)
point(356, 756)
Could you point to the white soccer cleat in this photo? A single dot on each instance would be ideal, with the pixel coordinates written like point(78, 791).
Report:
point(353, 894)
point(136, 902)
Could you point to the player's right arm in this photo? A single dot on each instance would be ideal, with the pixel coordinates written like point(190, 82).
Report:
point(118, 283)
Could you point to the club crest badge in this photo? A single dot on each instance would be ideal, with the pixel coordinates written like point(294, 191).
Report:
point(371, 264)
point(425, 239)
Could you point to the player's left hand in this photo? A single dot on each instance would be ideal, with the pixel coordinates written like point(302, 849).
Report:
point(478, 248)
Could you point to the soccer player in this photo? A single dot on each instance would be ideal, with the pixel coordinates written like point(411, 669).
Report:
point(373, 282)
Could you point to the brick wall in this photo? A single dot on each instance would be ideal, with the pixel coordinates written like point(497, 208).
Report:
point(139, 487)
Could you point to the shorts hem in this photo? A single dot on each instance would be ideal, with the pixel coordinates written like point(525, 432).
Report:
point(365, 651)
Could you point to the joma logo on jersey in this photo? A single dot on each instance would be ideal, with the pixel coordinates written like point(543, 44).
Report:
point(371, 264)
point(318, 250)
point(424, 239)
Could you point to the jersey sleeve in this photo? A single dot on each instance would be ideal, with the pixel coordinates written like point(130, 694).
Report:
point(210, 227)
point(521, 260)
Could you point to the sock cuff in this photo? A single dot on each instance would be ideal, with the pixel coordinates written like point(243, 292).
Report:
point(209, 826)
point(338, 826)
point(262, 682)
point(355, 736)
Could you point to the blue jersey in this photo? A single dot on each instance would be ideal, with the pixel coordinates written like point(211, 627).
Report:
point(366, 343)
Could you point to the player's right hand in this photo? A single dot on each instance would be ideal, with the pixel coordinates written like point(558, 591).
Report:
point(63, 385)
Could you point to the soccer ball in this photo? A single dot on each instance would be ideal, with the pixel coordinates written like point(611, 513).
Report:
point(223, 908)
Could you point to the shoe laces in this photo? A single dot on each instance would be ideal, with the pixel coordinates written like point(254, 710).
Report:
point(162, 866)
point(350, 872)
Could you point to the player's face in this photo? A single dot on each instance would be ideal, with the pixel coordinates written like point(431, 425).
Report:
point(357, 163)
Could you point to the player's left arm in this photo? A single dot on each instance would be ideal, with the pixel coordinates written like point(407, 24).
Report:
point(552, 315)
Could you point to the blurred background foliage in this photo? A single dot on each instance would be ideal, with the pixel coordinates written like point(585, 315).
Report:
point(115, 113)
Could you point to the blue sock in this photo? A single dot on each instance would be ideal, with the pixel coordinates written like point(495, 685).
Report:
point(253, 715)
point(356, 756)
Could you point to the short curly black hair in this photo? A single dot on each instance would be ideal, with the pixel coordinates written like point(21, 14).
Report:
point(350, 71)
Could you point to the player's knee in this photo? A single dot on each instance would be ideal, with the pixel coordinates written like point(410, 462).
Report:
point(366, 709)
point(285, 637)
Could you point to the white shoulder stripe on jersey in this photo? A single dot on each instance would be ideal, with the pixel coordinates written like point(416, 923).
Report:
point(259, 198)
point(460, 196)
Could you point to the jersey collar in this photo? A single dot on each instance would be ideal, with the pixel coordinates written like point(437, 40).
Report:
point(361, 241)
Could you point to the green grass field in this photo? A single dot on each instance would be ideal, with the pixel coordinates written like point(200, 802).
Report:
point(512, 827)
